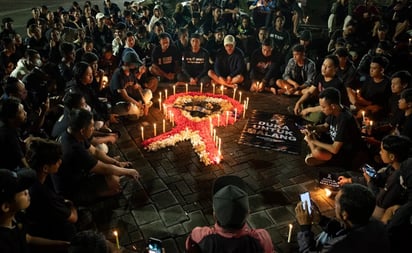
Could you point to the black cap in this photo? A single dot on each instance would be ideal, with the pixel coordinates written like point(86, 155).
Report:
point(12, 182)
point(230, 201)
point(131, 58)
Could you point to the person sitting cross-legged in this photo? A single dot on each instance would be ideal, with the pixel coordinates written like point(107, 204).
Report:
point(341, 141)
point(86, 173)
point(229, 66)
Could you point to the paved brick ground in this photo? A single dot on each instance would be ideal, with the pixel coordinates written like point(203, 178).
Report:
point(174, 193)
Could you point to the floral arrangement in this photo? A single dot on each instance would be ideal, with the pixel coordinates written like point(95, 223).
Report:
point(195, 115)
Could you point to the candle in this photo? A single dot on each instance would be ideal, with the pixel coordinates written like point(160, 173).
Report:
point(201, 87)
point(116, 235)
point(235, 115)
point(165, 110)
point(247, 102)
point(240, 97)
point(173, 119)
point(410, 41)
point(290, 232)
point(187, 87)
point(214, 88)
point(218, 120)
point(219, 145)
point(165, 94)
point(154, 129)
point(357, 92)
point(160, 94)
point(363, 116)
point(234, 93)
point(227, 118)
point(371, 123)
point(222, 88)
point(214, 135)
point(160, 104)
point(142, 132)
point(174, 89)
point(164, 125)
point(244, 109)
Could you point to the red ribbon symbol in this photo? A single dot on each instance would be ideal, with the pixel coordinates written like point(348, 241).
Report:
point(187, 127)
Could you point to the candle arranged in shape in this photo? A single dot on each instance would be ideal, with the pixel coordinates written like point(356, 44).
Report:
point(201, 87)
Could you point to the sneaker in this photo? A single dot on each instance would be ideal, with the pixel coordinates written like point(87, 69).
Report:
point(312, 161)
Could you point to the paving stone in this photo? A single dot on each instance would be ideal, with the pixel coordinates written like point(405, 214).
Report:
point(195, 219)
point(146, 214)
point(164, 199)
point(155, 229)
point(154, 186)
point(280, 215)
point(173, 215)
point(259, 220)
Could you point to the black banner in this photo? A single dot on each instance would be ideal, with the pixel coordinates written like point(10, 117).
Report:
point(274, 131)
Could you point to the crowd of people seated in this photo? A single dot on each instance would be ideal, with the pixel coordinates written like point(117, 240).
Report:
point(78, 69)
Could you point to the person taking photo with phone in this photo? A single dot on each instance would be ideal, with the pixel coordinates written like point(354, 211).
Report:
point(352, 230)
point(385, 183)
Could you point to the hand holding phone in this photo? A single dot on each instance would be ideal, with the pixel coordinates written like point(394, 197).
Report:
point(154, 245)
point(305, 197)
point(369, 170)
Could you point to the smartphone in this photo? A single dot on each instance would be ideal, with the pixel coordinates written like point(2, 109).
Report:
point(369, 170)
point(305, 197)
point(154, 245)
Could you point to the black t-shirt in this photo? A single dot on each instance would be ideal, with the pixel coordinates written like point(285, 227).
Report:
point(12, 151)
point(196, 64)
point(336, 83)
point(13, 240)
point(167, 60)
point(377, 93)
point(120, 81)
point(48, 214)
point(344, 128)
point(77, 162)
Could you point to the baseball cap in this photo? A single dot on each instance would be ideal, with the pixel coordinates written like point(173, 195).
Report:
point(229, 40)
point(99, 15)
point(131, 58)
point(12, 182)
point(230, 201)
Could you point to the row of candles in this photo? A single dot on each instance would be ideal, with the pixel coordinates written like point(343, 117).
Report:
point(169, 115)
